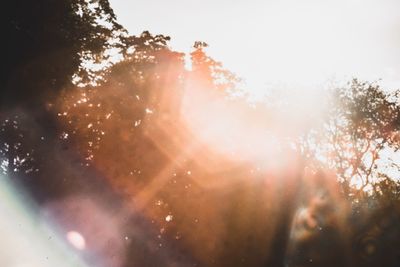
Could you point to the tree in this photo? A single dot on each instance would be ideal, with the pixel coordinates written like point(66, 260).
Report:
point(361, 122)
point(121, 126)
point(46, 42)
point(208, 73)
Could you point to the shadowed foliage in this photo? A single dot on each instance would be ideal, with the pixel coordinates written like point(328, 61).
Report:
point(127, 132)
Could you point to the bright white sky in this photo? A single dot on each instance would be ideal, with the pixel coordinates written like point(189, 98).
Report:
point(294, 42)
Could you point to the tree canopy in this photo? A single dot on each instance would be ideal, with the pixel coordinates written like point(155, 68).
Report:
point(293, 186)
point(47, 42)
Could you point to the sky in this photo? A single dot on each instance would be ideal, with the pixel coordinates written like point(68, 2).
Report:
point(301, 43)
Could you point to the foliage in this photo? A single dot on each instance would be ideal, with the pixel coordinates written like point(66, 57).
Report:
point(48, 41)
point(124, 123)
point(209, 73)
point(361, 123)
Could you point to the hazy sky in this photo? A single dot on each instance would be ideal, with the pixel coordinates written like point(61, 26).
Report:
point(301, 42)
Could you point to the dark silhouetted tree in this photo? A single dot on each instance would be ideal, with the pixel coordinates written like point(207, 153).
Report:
point(46, 42)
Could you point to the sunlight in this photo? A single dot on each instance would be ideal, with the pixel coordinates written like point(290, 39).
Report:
point(29, 239)
point(297, 43)
point(200, 133)
point(256, 133)
point(228, 129)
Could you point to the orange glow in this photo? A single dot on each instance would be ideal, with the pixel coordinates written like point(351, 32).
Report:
point(224, 128)
point(242, 132)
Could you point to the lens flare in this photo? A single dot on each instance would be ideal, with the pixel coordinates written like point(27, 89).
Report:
point(76, 240)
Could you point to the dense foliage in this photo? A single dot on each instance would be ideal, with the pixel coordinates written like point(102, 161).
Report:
point(122, 130)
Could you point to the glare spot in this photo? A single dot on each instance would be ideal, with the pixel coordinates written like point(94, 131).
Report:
point(169, 218)
point(64, 135)
point(76, 239)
